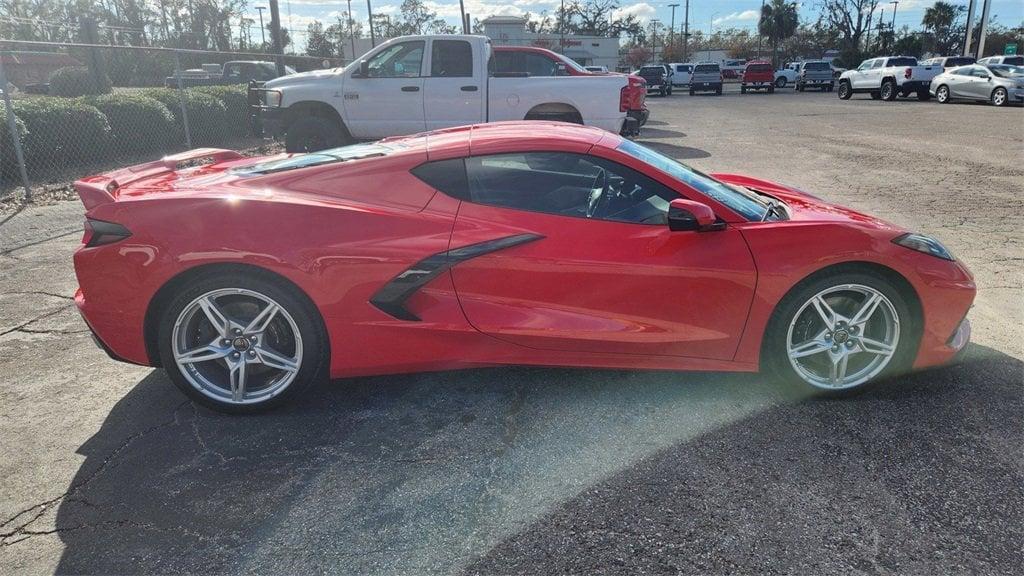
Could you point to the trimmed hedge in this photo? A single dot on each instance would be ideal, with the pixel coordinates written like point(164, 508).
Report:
point(138, 124)
point(236, 101)
point(8, 159)
point(207, 116)
point(75, 81)
point(62, 131)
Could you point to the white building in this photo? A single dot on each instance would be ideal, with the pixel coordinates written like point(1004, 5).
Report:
point(587, 50)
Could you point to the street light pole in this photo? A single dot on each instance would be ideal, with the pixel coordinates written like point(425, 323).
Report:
point(892, 27)
point(351, 37)
point(686, 32)
point(759, 35)
point(711, 32)
point(263, 30)
point(369, 18)
point(672, 28)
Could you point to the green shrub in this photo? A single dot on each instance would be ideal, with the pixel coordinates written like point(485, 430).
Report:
point(236, 102)
point(8, 159)
point(207, 116)
point(62, 132)
point(138, 124)
point(75, 81)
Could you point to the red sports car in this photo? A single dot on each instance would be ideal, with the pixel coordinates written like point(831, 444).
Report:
point(511, 243)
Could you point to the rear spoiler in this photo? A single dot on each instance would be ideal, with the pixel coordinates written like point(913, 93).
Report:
point(101, 188)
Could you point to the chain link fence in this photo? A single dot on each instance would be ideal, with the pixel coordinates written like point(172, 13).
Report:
point(70, 110)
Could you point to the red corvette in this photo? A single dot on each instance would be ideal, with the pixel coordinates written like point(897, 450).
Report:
point(516, 243)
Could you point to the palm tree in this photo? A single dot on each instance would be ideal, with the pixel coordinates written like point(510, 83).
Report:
point(941, 19)
point(779, 21)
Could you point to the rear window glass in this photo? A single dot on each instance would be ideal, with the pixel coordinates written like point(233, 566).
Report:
point(817, 66)
point(652, 70)
point(1014, 60)
point(759, 68)
point(902, 62)
point(682, 68)
point(354, 152)
point(706, 68)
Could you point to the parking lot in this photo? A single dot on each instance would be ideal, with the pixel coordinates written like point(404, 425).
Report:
point(108, 469)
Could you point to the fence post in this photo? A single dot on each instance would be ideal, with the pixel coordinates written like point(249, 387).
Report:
point(181, 98)
point(12, 127)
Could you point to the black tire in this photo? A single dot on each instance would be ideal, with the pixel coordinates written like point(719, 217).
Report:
point(718, 91)
point(780, 82)
point(799, 87)
point(999, 97)
point(876, 95)
point(313, 133)
point(888, 91)
point(942, 94)
point(924, 95)
point(831, 87)
point(743, 89)
point(691, 92)
point(315, 353)
point(661, 92)
point(845, 90)
point(774, 349)
point(771, 89)
point(669, 90)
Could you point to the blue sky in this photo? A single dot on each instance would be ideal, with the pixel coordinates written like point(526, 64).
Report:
point(703, 13)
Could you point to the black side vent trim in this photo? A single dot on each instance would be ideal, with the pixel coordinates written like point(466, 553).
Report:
point(391, 298)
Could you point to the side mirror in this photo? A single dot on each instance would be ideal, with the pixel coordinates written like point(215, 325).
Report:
point(687, 215)
point(364, 69)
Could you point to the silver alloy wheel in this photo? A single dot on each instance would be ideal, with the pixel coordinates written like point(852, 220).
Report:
point(237, 346)
point(843, 336)
point(942, 95)
point(999, 97)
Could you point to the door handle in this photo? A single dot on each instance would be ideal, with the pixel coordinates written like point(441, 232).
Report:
point(469, 88)
point(410, 88)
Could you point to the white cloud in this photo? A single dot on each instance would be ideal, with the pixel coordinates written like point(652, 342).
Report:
point(737, 17)
point(642, 10)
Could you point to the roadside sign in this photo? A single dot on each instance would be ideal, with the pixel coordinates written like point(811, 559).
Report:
point(1010, 49)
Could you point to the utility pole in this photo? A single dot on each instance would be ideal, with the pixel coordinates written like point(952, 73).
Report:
point(892, 27)
point(984, 28)
point(561, 29)
point(351, 37)
point(654, 37)
point(369, 18)
point(275, 36)
point(867, 39)
point(263, 30)
point(462, 17)
point(672, 28)
point(970, 29)
point(686, 31)
point(759, 35)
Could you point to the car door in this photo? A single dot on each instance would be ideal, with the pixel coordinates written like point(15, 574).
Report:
point(980, 85)
point(860, 78)
point(453, 92)
point(960, 82)
point(616, 282)
point(388, 101)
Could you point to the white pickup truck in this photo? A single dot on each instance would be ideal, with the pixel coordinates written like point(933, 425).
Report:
point(416, 83)
point(888, 77)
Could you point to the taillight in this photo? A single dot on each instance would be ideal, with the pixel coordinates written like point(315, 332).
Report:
point(624, 98)
point(907, 73)
point(99, 232)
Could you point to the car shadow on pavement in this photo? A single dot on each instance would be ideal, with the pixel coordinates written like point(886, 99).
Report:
point(674, 151)
point(660, 133)
point(379, 474)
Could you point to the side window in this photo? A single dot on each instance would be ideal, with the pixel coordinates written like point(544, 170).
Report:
point(398, 61)
point(565, 184)
point(979, 71)
point(233, 72)
point(878, 63)
point(538, 65)
point(503, 62)
point(451, 59)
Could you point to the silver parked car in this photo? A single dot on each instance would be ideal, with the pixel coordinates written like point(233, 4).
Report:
point(995, 83)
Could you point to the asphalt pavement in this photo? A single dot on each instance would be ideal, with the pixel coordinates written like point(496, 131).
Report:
point(106, 467)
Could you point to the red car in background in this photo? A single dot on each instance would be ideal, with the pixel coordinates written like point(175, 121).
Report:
point(546, 244)
point(758, 75)
point(535, 61)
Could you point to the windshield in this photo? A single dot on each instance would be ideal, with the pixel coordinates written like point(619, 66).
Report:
point(745, 204)
point(353, 152)
point(1005, 71)
point(706, 68)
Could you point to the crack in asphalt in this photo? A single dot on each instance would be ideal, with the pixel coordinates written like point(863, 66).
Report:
point(14, 536)
point(40, 293)
point(8, 251)
point(21, 327)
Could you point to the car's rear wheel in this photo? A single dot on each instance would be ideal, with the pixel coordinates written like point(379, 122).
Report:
point(313, 133)
point(888, 91)
point(942, 94)
point(999, 97)
point(241, 343)
point(840, 332)
point(845, 91)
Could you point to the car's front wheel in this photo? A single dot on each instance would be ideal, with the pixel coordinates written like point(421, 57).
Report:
point(241, 342)
point(840, 332)
point(845, 91)
point(312, 133)
point(999, 97)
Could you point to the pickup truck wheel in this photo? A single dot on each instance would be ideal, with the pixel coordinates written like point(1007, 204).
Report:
point(923, 95)
point(888, 91)
point(311, 134)
point(845, 91)
point(743, 89)
point(799, 87)
point(771, 89)
point(692, 92)
point(942, 94)
point(669, 90)
point(719, 91)
point(780, 82)
point(999, 97)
